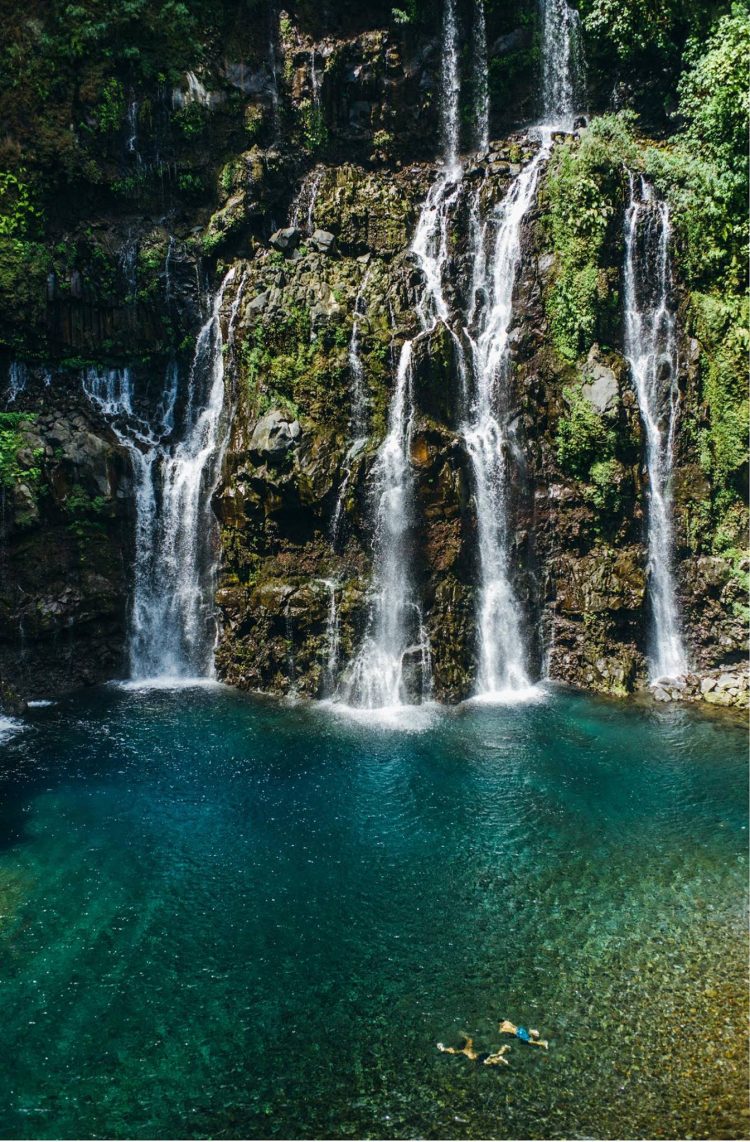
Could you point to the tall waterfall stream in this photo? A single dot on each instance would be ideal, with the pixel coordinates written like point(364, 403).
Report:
point(651, 349)
point(172, 625)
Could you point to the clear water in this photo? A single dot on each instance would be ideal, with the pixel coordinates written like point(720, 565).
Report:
point(225, 918)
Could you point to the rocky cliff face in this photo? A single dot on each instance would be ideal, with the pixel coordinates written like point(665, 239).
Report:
point(305, 160)
point(66, 543)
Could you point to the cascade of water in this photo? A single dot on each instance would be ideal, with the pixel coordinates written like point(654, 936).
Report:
point(487, 428)
point(314, 80)
point(168, 270)
point(377, 676)
point(172, 627)
point(357, 369)
point(502, 652)
point(128, 261)
point(332, 638)
point(132, 116)
point(396, 633)
point(651, 349)
point(196, 92)
point(481, 78)
point(17, 378)
point(451, 88)
point(273, 31)
point(358, 426)
point(306, 199)
point(562, 64)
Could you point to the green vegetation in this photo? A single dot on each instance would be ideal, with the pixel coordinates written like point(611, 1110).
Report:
point(286, 368)
point(85, 512)
point(111, 109)
point(11, 443)
point(191, 120)
point(583, 438)
point(314, 130)
point(17, 463)
point(584, 199)
point(702, 172)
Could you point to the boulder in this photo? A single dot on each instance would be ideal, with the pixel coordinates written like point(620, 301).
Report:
point(286, 239)
point(600, 386)
point(323, 241)
point(274, 435)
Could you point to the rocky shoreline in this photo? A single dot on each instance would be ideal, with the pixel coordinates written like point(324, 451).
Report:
point(723, 686)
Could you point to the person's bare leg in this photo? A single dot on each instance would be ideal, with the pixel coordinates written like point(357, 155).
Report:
point(467, 1049)
point(498, 1057)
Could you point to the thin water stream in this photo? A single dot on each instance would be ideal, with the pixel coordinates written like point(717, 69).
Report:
point(651, 349)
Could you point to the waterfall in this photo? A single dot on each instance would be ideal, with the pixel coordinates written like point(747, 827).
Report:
point(358, 421)
point(172, 624)
point(503, 670)
point(562, 64)
point(332, 638)
point(357, 369)
point(396, 638)
point(127, 259)
point(307, 197)
point(377, 676)
point(651, 350)
point(481, 78)
point(314, 81)
point(132, 118)
point(17, 380)
point(168, 270)
point(451, 84)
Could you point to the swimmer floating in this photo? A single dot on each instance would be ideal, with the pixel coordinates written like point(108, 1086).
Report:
point(526, 1036)
point(486, 1057)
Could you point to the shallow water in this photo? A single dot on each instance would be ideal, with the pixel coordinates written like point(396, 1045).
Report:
point(221, 917)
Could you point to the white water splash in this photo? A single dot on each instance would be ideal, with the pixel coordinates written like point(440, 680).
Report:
point(651, 349)
point(9, 727)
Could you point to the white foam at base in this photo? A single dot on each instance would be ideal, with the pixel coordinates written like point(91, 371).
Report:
point(409, 719)
point(509, 697)
point(168, 682)
point(9, 727)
